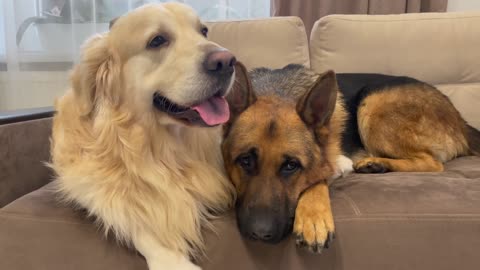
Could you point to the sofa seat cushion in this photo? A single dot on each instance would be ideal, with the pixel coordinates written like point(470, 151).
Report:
point(389, 221)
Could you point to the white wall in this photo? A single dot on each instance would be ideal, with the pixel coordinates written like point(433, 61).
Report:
point(463, 5)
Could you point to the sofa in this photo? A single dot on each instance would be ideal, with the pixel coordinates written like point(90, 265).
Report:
point(386, 221)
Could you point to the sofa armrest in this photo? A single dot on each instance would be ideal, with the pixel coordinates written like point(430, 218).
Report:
point(24, 147)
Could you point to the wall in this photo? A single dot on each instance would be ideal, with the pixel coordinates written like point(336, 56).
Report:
point(463, 5)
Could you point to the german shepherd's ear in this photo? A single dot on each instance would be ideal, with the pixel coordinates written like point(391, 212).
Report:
point(241, 95)
point(317, 105)
point(96, 77)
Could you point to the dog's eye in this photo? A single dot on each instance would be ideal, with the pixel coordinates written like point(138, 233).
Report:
point(289, 167)
point(247, 162)
point(204, 31)
point(157, 41)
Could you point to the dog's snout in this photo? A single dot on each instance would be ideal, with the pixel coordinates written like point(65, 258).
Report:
point(220, 62)
point(262, 229)
point(261, 224)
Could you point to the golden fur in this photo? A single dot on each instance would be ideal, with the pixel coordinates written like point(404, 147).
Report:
point(144, 176)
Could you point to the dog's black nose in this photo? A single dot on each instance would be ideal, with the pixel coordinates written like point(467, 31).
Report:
point(263, 226)
point(220, 62)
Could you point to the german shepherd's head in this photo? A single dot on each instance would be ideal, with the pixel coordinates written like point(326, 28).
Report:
point(276, 144)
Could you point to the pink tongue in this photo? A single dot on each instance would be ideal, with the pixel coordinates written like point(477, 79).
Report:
point(213, 111)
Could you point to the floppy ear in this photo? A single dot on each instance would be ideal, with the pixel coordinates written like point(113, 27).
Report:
point(96, 77)
point(317, 105)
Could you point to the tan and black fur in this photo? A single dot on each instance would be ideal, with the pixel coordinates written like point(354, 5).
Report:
point(291, 129)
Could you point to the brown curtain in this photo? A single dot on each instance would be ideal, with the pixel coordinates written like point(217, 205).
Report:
point(311, 10)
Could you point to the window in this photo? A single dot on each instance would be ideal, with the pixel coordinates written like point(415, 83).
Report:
point(40, 40)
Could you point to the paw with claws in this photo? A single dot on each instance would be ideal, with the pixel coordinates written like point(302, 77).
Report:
point(370, 165)
point(314, 227)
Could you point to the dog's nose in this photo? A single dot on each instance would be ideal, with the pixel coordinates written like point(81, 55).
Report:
point(220, 62)
point(262, 231)
point(264, 228)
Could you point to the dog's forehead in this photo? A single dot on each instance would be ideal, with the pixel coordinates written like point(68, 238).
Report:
point(271, 125)
point(172, 11)
point(153, 14)
point(275, 116)
point(182, 10)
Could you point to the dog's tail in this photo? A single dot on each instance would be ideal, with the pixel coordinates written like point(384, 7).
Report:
point(473, 138)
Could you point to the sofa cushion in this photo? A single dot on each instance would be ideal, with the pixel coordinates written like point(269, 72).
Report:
point(466, 98)
point(271, 42)
point(438, 48)
point(36, 232)
point(389, 221)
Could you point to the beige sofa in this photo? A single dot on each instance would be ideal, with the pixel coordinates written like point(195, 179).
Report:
point(390, 221)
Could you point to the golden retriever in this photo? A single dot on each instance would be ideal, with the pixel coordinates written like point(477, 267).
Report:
point(136, 140)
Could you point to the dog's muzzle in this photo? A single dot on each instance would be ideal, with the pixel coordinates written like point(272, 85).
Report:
point(210, 112)
point(218, 67)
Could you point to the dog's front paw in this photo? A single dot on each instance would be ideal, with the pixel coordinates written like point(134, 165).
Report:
point(343, 168)
point(370, 165)
point(314, 227)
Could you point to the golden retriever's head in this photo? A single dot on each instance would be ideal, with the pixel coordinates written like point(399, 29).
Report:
point(274, 147)
point(155, 62)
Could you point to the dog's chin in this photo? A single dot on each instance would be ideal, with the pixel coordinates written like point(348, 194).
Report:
point(208, 112)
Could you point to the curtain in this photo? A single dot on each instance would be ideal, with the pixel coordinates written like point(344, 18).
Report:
point(40, 40)
point(312, 10)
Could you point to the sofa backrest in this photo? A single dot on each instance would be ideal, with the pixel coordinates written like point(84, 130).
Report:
point(435, 47)
point(271, 42)
point(439, 48)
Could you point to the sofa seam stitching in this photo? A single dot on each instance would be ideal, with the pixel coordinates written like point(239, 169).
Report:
point(351, 202)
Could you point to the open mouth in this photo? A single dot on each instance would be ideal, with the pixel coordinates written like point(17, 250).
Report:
point(210, 112)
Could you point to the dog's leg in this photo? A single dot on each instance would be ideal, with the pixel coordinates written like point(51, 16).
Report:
point(418, 163)
point(159, 257)
point(314, 227)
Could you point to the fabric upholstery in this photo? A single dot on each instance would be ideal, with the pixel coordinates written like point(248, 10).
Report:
point(390, 221)
point(466, 98)
point(23, 149)
point(312, 10)
point(271, 42)
point(439, 48)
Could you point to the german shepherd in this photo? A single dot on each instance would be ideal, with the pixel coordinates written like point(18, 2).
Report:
point(291, 130)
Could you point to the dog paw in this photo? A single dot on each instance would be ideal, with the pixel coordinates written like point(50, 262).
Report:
point(313, 228)
point(343, 168)
point(370, 165)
